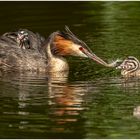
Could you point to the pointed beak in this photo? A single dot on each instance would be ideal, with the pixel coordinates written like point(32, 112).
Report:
point(93, 56)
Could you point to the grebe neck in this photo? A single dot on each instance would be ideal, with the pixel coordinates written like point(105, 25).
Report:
point(56, 63)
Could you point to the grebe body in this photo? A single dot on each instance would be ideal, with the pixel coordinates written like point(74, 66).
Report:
point(15, 53)
point(27, 51)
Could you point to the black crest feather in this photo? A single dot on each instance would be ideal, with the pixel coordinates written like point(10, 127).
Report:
point(70, 36)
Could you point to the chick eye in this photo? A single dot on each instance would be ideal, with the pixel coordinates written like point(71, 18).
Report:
point(22, 32)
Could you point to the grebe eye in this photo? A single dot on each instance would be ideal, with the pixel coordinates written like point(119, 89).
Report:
point(81, 48)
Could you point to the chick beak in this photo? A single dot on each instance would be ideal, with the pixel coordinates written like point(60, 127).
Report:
point(93, 56)
point(119, 67)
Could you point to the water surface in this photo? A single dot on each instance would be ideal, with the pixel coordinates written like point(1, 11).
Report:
point(92, 101)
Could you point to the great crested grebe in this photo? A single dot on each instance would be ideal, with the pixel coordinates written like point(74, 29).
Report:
point(25, 50)
point(130, 67)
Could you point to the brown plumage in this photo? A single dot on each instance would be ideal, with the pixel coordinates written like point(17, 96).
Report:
point(63, 47)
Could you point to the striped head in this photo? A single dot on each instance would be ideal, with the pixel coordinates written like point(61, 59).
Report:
point(23, 39)
point(129, 65)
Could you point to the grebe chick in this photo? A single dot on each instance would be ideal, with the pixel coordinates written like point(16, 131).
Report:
point(130, 67)
point(23, 39)
point(29, 40)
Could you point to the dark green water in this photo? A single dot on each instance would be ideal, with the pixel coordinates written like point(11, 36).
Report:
point(94, 101)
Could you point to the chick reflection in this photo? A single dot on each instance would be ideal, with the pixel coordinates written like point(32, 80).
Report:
point(136, 112)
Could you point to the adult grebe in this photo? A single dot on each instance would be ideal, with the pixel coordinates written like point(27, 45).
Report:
point(130, 67)
point(27, 51)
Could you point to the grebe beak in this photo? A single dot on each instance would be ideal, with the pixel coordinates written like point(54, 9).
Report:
point(93, 56)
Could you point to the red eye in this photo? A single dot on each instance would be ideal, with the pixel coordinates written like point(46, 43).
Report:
point(81, 48)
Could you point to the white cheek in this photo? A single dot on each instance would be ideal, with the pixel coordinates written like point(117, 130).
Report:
point(77, 51)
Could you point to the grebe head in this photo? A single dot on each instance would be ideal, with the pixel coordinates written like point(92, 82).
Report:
point(29, 40)
point(23, 39)
point(63, 43)
point(129, 65)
